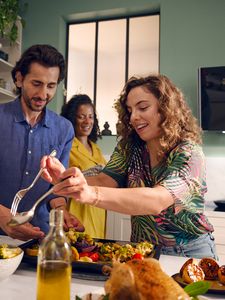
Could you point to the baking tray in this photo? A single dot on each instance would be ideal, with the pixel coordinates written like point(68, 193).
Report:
point(215, 286)
point(85, 270)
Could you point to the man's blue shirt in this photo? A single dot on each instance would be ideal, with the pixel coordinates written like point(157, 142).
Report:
point(21, 150)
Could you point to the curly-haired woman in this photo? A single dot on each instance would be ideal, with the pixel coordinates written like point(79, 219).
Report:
point(158, 166)
point(87, 156)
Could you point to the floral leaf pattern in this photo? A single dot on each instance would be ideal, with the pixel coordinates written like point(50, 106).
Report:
point(182, 173)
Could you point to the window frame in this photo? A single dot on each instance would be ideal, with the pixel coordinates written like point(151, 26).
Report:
point(97, 21)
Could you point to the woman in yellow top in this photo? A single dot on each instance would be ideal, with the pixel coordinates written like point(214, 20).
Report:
point(86, 155)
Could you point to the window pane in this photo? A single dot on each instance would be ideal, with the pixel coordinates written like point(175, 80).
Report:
point(143, 45)
point(81, 52)
point(111, 58)
point(111, 69)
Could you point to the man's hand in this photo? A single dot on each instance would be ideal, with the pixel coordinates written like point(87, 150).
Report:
point(70, 221)
point(21, 232)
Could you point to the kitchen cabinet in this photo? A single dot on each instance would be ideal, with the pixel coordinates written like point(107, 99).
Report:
point(118, 226)
point(217, 219)
point(7, 87)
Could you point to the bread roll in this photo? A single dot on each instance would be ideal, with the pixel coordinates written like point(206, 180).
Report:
point(210, 267)
point(142, 280)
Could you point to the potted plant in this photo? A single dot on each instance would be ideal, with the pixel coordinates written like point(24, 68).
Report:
point(9, 12)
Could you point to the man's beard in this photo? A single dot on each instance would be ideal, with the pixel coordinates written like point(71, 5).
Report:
point(28, 101)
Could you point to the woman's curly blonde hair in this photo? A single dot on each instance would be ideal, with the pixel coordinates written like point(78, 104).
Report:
point(178, 123)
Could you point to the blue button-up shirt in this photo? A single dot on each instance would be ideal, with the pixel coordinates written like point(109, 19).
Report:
point(21, 150)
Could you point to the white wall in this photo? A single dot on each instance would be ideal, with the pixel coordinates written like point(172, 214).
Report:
point(215, 178)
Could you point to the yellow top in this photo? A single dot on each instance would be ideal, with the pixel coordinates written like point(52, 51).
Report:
point(93, 218)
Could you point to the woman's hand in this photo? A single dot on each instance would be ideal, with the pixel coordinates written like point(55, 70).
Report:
point(53, 169)
point(73, 184)
point(68, 183)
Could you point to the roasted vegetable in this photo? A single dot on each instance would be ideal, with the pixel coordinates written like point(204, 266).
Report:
point(32, 250)
point(8, 251)
point(82, 241)
point(123, 253)
point(94, 256)
point(83, 245)
point(137, 256)
point(75, 254)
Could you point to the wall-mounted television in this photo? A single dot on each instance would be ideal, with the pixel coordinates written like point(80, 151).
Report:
point(211, 98)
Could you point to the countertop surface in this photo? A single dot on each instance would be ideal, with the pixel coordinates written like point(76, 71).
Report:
point(22, 284)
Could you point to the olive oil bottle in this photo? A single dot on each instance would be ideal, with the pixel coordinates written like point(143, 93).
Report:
point(54, 262)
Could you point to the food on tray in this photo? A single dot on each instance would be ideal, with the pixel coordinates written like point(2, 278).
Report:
point(189, 261)
point(192, 273)
point(206, 268)
point(123, 253)
point(221, 274)
point(210, 267)
point(91, 251)
point(83, 242)
point(75, 253)
point(86, 249)
point(32, 250)
point(7, 251)
point(86, 259)
point(142, 279)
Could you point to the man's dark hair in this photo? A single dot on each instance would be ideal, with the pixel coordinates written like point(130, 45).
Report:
point(45, 55)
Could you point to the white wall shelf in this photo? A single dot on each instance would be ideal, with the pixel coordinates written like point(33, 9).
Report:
point(6, 96)
point(14, 51)
point(5, 66)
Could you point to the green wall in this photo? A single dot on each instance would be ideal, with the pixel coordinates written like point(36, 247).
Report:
point(191, 35)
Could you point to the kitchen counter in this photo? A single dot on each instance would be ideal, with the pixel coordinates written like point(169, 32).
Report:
point(22, 284)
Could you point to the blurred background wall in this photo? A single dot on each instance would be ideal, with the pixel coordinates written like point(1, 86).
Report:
point(191, 35)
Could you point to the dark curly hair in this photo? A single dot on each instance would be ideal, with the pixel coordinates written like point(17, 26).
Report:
point(45, 55)
point(178, 123)
point(69, 111)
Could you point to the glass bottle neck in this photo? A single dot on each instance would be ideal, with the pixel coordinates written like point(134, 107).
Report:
point(56, 218)
point(56, 222)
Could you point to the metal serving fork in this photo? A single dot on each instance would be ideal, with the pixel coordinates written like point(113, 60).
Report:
point(26, 216)
point(20, 194)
